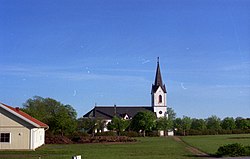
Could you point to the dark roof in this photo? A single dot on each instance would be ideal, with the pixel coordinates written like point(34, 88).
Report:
point(108, 112)
point(158, 80)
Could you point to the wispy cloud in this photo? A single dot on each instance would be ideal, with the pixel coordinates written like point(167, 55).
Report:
point(69, 73)
point(242, 66)
point(232, 86)
point(182, 86)
point(125, 70)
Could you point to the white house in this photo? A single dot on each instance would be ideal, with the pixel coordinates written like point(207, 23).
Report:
point(20, 131)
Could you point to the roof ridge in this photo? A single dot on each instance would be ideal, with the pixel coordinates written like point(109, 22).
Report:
point(16, 111)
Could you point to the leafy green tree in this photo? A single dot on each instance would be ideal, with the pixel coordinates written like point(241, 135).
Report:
point(198, 124)
point(228, 123)
point(85, 125)
point(178, 124)
point(91, 125)
point(171, 113)
point(100, 125)
point(118, 124)
point(213, 123)
point(60, 118)
point(242, 123)
point(186, 124)
point(143, 121)
point(182, 125)
point(164, 124)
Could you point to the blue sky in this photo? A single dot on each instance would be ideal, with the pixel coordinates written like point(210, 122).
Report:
point(83, 52)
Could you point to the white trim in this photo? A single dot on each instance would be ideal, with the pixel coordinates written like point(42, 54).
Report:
point(31, 140)
point(20, 116)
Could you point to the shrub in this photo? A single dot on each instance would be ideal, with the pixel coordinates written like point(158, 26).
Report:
point(247, 131)
point(209, 132)
point(247, 149)
point(224, 131)
point(152, 134)
point(130, 134)
point(238, 131)
point(194, 132)
point(232, 150)
point(106, 133)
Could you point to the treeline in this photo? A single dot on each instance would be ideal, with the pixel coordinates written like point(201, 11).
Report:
point(211, 126)
point(62, 120)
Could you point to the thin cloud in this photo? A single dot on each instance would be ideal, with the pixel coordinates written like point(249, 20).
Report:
point(182, 86)
point(68, 73)
point(242, 66)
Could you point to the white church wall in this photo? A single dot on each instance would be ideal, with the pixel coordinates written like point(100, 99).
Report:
point(160, 108)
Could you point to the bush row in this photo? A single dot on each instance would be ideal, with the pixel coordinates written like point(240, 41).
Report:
point(58, 139)
point(128, 133)
point(212, 132)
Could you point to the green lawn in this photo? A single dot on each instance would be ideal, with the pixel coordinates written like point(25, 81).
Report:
point(211, 143)
point(145, 148)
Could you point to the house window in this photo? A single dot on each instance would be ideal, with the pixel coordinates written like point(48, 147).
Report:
point(160, 99)
point(5, 137)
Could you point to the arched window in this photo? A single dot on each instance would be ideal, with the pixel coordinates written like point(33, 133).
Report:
point(160, 99)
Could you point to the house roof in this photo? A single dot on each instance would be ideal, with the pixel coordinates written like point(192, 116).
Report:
point(158, 80)
point(108, 112)
point(17, 112)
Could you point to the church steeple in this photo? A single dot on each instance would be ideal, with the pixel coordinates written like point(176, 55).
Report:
point(158, 79)
point(159, 94)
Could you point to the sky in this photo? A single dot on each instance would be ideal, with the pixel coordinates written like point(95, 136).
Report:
point(94, 52)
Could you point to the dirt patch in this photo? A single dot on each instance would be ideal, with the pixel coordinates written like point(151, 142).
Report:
point(177, 139)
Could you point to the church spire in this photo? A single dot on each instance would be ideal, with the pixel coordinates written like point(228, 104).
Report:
point(158, 78)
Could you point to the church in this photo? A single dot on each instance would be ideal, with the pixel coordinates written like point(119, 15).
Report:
point(158, 104)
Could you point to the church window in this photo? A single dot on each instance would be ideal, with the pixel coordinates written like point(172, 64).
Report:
point(160, 98)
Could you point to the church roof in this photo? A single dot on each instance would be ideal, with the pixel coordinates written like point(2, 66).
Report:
point(108, 112)
point(158, 80)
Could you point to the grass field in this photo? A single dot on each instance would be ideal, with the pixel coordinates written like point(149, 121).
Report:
point(211, 143)
point(145, 148)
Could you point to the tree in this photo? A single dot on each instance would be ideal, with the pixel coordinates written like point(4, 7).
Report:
point(118, 124)
point(186, 124)
point(85, 125)
point(183, 125)
point(171, 114)
point(60, 118)
point(198, 124)
point(213, 123)
point(165, 124)
point(228, 123)
point(143, 121)
point(242, 123)
point(91, 125)
point(178, 124)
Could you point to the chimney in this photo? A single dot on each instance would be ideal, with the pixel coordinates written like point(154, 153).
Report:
point(115, 110)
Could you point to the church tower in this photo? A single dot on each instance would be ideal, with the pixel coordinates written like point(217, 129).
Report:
point(159, 94)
